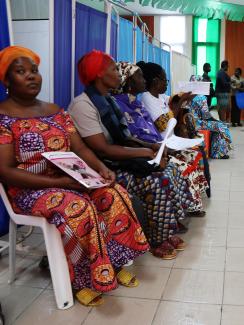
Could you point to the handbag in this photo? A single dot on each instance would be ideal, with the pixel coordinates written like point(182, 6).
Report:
point(139, 167)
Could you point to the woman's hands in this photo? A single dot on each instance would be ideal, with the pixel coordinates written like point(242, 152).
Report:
point(69, 183)
point(107, 174)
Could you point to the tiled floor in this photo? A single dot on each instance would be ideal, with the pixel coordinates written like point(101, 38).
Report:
point(203, 286)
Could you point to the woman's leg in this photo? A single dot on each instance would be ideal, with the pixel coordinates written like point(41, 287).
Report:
point(84, 232)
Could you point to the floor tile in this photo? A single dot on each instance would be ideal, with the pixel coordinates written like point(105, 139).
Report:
point(232, 315)
point(194, 286)
point(234, 288)
point(211, 220)
point(44, 311)
point(152, 283)
point(149, 260)
point(237, 183)
point(177, 313)
point(121, 311)
point(219, 195)
point(15, 299)
point(205, 237)
point(234, 259)
point(201, 258)
point(236, 196)
point(235, 238)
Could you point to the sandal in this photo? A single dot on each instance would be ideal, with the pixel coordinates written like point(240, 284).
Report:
point(177, 243)
point(89, 297)
point(198, 214)
point(127, 279)
point(166, 251)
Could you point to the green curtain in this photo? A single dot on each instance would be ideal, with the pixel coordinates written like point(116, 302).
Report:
point(206, 46)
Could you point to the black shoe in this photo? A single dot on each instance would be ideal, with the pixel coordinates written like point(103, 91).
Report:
point(239, 124)
point(225, 157)
point(234, 125)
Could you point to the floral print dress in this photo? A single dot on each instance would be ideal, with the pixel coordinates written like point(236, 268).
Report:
point(100, 230)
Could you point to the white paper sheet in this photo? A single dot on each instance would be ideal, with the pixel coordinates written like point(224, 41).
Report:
point(195, 87)
point(173, 142)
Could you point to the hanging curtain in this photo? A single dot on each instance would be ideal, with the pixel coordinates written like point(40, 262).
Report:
point(166, 65)
point(139, 44)
point(90, 34)
point(125, 52)
point(158, 55)
point(4, 37)
point(62, 52)
point(150, 52)
point(114, 38)
point(4, 42)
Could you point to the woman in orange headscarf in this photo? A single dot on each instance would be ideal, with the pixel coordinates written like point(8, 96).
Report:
point(100, 230)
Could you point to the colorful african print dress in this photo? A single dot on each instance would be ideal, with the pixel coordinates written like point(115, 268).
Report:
point(220, 133)
point(141, 126)
point(100, 231)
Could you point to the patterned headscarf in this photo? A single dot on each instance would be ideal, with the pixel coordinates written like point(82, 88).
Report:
point(11, 53)
point(126, 71)
point(93, 65)
point(195, 78)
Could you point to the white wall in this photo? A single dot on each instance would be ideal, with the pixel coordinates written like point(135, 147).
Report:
point(182, 69)
point(34, 34)
point(222, 40)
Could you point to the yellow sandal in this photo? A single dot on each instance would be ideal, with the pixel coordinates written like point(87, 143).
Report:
point(127, 279)
point(89, 297)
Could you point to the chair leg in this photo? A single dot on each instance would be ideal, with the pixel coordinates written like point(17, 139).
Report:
point(12, 250)
point(58, 267)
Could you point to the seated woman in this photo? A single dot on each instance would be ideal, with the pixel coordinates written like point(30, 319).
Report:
point(141, 125)
point(102, 126)
point(99, 228)
point(221, 142)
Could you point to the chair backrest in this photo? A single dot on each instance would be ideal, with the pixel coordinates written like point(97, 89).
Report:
point(5, 199)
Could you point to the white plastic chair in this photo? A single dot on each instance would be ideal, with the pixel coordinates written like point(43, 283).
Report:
point(55, 252)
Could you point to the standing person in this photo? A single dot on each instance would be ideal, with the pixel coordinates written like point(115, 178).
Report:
point(237, 84)
point(99, 228)
point(223, 88)
point(206, 78)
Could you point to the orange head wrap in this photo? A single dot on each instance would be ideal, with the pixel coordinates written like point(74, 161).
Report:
point(93, 65)
point(11, 53)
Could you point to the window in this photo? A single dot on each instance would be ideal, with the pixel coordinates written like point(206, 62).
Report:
point(206, 45)
point(169, 34)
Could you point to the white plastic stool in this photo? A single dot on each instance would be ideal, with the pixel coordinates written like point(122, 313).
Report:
point(55, 252)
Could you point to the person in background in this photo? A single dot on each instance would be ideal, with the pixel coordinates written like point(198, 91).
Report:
point(237, 84)
point(222, 90)
point(99, 228)
point(206, 78)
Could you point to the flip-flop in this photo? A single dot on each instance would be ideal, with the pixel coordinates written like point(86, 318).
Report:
point(89, 297)
point(197, 214)
point(127, 279)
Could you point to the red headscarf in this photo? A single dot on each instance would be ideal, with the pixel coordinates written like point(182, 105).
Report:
point(93, 65)
point(11, 53)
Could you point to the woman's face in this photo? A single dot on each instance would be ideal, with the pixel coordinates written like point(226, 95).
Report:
point(137, 82)
point(162, 82)
point(111, 77)
point(23, 78)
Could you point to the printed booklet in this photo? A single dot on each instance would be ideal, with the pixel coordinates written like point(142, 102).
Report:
point(75, 167)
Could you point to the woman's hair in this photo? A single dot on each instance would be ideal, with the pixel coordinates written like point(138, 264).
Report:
point(150, 72)
point(239, 70)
